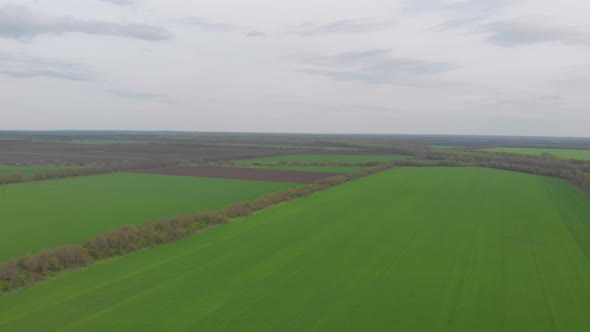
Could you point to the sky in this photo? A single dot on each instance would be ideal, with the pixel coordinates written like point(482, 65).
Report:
point(474, 67)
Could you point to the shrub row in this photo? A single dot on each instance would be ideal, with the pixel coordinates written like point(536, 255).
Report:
point(12, 178)
point(575, 172)
point(24, 271)
point(82, 171)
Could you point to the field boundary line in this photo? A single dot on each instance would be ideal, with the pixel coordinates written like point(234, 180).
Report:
point(503, 278)
point(457, 296)
point(546, 299)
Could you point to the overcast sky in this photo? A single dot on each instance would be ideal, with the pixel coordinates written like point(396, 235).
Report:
point(505, 67)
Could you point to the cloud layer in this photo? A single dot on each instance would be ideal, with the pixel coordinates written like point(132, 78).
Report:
point(142, 96)
point(524, 32)
point(378, 66)
point(20, 22)
point(120, 2)
point(516, 67)
point(338, 27)
point(207, 25)
point(485, 18)
point(28, 66)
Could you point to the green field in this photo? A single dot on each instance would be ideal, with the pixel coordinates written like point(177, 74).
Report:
point(444, 146)
point(425, 249)
point(46, 214)
point(559, 153)
point(322, 158)
point(28, 171)
point(103, 142)
point(89, 141)
point(325, 169)
point(280, 146)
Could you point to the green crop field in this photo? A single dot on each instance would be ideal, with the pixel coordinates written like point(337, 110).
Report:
point(559, 153)
point(28, 171)
point(325, 169)
point(103, 142)
point(444, 146)
point(412, 249)
point(89, 141)
point(282, 146)
point(47, 214)
point(322, 158)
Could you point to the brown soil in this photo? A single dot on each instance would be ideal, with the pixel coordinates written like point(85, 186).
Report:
point(29, 150)
point(43, 153)
point(243, 173)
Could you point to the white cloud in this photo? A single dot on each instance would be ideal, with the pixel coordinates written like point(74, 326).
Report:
point(120, 2)
point(207, 25)
point(345, 26)
point(31, 66)
point(377, 67)
point(23, 23)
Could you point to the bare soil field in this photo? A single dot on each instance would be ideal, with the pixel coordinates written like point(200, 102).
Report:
point(30, 152)
point(40, 148)
point(243, 173)
point(43, 153)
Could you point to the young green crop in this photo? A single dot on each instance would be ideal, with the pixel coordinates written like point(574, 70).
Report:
point(424, 249)
point(559, 153)
point(90, 141)
point(48, 214)
point(327, 169)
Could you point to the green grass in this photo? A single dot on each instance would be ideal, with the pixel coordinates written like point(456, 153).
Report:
point(425, 249)
point(282, 146)
point(28, 171)
point(322, 158)
point(47, 214)
point(444, 146)
point(559, 153)
point(89, 141)
point(104, 142)
point(325, 169)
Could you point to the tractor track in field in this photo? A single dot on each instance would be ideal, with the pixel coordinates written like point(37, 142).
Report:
point(543, 289)
point(503, 281)
point(546, 299)
point(576, 236)
point(459, 291)
point(457, 296)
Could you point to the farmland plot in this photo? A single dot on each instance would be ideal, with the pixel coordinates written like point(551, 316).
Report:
point(425, 249)
point(559, 153)
point(47, 214)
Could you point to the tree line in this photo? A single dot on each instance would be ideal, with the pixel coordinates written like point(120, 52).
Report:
point(12, 178)
point(66, 172)
point(577, 172)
